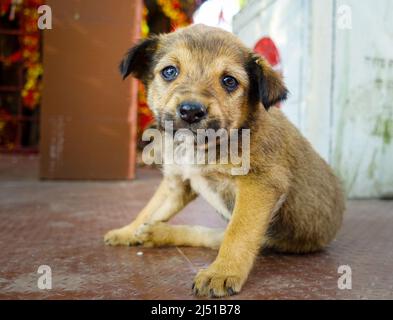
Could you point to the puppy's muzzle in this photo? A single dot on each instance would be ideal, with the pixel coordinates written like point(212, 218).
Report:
point(192, 112)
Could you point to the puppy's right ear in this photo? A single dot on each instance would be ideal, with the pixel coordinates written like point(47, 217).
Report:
point(139, 59)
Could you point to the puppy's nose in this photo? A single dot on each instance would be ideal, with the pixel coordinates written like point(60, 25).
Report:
point(192, 111)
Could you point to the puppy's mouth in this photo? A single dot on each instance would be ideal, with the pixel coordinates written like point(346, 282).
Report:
point(204, 138)
point(168, 120)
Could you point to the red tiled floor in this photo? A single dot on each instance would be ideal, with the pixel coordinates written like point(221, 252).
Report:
point(61, 224)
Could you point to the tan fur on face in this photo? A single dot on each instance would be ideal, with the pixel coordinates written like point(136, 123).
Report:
point(290, 200)
point(200, 76)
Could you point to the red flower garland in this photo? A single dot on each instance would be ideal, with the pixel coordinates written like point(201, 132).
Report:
point(30, 51)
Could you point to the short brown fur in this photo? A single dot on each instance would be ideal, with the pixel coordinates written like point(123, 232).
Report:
point(289, 201)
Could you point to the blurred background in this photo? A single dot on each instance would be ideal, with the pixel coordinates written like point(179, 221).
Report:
point(66, 114)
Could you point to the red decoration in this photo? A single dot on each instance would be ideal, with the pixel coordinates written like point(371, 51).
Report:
point(267, 49)
point(26, 11)
point(12, 58)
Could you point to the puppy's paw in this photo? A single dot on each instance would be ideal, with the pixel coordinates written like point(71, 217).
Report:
point(218, 281)
point(144, 234)
point(121, 237)
point(153, 234)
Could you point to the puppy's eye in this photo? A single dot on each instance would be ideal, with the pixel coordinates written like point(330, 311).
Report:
point(229, 83)
point(170, 73)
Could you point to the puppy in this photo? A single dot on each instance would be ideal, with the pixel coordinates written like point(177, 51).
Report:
point(201, 77)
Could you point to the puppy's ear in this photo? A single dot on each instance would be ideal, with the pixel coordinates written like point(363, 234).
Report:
point(266, 85)
point(139, 59)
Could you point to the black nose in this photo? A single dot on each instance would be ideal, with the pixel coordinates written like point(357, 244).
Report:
point(192, 112)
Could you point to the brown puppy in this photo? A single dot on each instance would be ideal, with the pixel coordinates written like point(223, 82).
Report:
point(201, 77)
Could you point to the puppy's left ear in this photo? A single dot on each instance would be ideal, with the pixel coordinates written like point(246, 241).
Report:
point(138, 60)
point(266, 85)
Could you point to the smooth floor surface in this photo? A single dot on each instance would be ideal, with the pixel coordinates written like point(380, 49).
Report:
point(61, 224)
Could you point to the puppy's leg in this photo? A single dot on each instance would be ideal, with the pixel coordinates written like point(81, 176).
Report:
point(163, 234)
point(172, 195)
point(242, 240)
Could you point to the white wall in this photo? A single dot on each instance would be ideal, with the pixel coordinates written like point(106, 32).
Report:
point(341, 80)
point(362, 149)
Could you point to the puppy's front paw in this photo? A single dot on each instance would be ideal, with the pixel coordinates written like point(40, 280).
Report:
point(154, 234)
point(218, 281)
point(121, 237)
point(144, 234)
